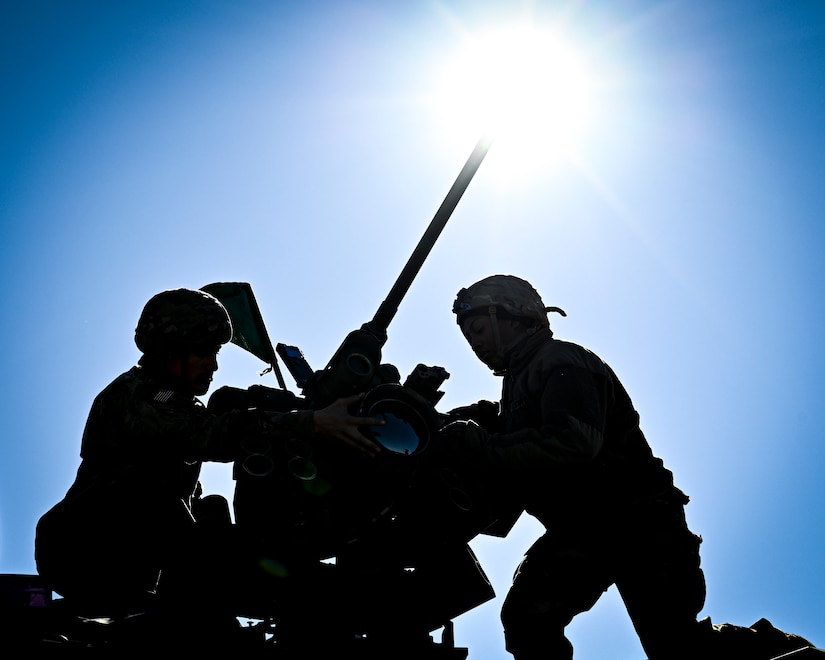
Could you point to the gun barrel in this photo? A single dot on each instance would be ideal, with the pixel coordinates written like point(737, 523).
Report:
point(388, 308)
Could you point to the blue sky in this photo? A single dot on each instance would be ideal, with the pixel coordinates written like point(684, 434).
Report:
point(302, 148)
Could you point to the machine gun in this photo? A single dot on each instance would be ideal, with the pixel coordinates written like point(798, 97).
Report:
point(395, 527)
point(408, 409)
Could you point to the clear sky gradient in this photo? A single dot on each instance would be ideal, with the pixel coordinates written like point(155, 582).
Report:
point(303, 148)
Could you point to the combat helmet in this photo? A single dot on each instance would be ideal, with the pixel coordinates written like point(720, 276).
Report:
point(178, 320)
point(503, 295)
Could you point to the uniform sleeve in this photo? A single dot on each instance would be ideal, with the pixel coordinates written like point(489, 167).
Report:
point(182, 427)
point(562, 428)
point(201, 435)
point(484, 413)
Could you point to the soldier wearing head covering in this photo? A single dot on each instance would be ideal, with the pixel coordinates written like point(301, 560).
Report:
point(127, 532)
point(566, 446)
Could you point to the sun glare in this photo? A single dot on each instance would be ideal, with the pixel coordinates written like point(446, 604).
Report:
point(527, 88)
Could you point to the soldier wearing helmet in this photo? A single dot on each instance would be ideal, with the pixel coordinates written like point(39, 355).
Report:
point(566, 446)
point(506, 298)
point(181, 331)
point(128, 533)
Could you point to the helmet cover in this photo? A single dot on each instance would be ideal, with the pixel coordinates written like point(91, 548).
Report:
point(179, 320)
point(512, 295)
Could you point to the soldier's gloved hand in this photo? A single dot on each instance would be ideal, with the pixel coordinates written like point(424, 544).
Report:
point(464, 440)
point(463, 412)
point(454, 431)
point(484, 413)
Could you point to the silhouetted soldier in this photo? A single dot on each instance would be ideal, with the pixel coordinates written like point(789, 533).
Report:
point(565, 445)
point(133, 532)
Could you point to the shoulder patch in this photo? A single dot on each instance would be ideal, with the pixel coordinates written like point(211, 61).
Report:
point(163, 396)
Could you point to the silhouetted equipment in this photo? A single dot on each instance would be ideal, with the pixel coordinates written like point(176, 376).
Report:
point(760, 641)
point(352, 368)
point(347, 547)
point(325, 496)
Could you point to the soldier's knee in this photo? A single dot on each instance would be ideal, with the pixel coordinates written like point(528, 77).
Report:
point(535, 630)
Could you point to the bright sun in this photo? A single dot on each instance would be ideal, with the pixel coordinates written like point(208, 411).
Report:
point(527, 88)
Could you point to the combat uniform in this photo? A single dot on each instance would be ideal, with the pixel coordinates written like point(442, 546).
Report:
point(567, 447)
point(129, 514)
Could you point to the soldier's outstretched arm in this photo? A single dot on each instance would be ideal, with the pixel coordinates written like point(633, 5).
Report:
point(336, 422)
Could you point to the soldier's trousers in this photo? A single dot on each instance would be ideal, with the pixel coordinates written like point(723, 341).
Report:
point(647, 551)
